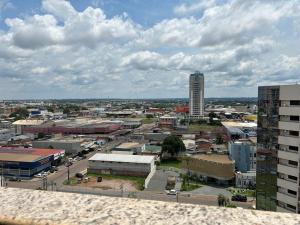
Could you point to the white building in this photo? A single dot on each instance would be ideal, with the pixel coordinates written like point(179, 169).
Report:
point(121, 164)
point(288, 190)
point(196, 95)
point(245, 180)
point(6, 134)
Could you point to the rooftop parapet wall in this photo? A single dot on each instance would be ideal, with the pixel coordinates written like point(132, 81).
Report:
point(20, 206)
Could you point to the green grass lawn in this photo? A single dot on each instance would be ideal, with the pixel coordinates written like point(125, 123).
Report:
point(138, 181)
point(148, 120)
point(171, 163)
point(241, 191)
point(190, 187)
point(201, 127)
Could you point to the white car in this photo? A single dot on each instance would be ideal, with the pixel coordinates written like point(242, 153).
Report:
point(39, 175)
point(172, 192)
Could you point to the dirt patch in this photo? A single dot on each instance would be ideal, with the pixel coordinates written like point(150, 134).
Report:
point(109, 184)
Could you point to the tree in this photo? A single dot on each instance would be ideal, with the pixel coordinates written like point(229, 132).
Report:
point(149, 116)
point(19, 114)
point(66, 111)
point(219, 139)
point(40, 135)
point(173, 145)
point(223, 200)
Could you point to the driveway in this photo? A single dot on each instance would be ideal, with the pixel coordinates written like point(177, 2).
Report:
point(210, 190)
point(158, 181)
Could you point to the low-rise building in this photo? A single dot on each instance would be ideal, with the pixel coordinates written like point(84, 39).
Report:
point(154, 150)
point(23, 163)
point(211, 167)
point(203, 145)
point(71, 146)
point(134, 147)
point(168, 121)
point(119, 164)
point(245, 180)
point(6, 134)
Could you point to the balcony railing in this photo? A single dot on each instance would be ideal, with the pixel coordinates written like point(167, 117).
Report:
point(288, 194)
point(287, 164)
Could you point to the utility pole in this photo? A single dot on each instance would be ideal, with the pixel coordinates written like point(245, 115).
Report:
point(2, 175)
point(68, 173)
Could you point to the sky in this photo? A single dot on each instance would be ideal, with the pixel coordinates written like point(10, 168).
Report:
point(146, 49)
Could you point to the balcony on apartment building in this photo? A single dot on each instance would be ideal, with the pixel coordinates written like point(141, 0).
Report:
point(288, 167)
point(288, 183)
point(289, 108)
point(287, 196)
point(287, 208)
point(289, 137)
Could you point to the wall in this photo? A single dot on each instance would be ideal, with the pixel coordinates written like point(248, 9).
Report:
point(120, 168)
point(77, 209)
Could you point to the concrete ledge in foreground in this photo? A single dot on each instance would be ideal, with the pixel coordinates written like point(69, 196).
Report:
point(21, 206)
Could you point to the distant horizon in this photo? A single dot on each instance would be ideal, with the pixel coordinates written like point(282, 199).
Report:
point(183, 98)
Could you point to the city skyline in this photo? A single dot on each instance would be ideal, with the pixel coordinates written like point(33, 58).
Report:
point(132, 49)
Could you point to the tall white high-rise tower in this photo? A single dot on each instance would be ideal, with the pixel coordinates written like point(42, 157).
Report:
point(196, 95)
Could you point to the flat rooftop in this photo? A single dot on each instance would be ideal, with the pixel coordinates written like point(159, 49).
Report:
point(129, 145)
point(29, 122)
point(26, 154)
point(122, 158)
point(217, 158)
point(239, 124)
point(13, 157)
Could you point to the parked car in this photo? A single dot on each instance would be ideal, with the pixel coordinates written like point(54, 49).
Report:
point(79, 175)
point(54, 168)
point(172, 192)
point(39, 175)
point(45, 173)
point(14, 179)
point(239, 198)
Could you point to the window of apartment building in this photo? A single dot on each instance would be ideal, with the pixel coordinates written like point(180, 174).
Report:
point(291, 206)
point(292, 177)
point(294, 118)
point(295, 102)
point(292, 192)
point(294, 133)
point(294, 163)
point(293, 148)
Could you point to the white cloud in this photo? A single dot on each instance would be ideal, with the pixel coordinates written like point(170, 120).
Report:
point(200, 5)
point(63, 52)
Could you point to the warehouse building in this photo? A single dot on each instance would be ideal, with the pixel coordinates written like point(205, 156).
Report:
point(73, 126)
point(211, 167)
point(23, 163)
point(120, 164)
point(71, 146)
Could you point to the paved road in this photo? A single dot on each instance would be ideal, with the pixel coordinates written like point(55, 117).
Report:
point(209, 190)
point(152, 195)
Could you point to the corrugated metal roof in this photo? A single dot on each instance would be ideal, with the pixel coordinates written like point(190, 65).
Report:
point(122, 158)
point(29, 122)
point(13, 157)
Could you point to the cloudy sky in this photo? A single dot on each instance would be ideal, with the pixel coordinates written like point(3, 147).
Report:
point(142, 49)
